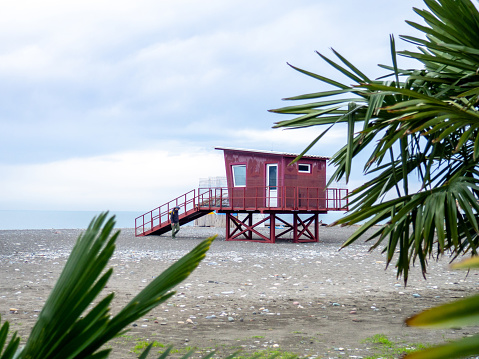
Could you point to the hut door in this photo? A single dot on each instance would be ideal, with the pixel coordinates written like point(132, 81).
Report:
point(272, 185)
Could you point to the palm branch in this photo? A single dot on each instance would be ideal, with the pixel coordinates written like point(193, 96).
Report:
point(420, 131)
point(64, 328)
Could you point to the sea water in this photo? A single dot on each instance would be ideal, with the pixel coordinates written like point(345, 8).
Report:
point(17, 219)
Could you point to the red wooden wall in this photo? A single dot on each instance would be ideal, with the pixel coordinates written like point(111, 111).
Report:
point(289, 178)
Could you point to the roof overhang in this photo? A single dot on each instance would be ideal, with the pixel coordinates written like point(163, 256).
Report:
point(275, 153)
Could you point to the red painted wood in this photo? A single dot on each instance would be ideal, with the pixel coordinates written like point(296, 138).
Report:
point(272, 228)
point(244, 229)
point(288, 174)
point(302, 231)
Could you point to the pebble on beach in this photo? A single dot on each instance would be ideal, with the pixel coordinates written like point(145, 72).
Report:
point(292, 295)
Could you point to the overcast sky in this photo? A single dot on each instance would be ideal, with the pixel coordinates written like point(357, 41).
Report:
point(119, 104)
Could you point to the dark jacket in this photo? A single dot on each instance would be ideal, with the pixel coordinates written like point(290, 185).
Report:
point(174, 215)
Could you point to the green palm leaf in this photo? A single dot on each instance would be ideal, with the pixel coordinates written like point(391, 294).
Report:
point(455, 314)
point(9, 351)
point(458, 349)
point(61, 331)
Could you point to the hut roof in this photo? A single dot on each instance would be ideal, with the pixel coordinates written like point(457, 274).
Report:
point(285, 154)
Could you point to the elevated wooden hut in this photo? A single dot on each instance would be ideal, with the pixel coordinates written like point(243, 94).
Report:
point(258, 182)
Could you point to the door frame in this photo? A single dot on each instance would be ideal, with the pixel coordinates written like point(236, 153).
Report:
point(271, 194)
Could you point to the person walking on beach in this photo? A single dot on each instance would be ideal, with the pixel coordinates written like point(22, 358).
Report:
point(175, 222)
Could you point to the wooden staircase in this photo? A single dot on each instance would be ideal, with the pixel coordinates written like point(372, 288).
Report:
point(157, 221)
point(184, 218)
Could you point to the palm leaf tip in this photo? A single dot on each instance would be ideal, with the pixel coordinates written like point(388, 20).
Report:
point(469, 263)
point(455, 314)
point(160, 288)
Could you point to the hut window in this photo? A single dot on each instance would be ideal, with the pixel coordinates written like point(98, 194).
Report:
point(304, 168)
point(239, 175)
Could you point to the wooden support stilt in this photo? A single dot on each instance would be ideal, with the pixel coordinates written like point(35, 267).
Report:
point(303, 231)
point(244, 230)
point(272, 228)
point(228, 227)
point(307, 230)
point(250, 225)
point(295, 228)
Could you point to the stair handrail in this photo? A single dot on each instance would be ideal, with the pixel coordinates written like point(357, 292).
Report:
point(155, 217)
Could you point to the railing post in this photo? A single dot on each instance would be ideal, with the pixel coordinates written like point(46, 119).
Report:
point(244, 197)
point(334, 200)
point(259, 197)
point(295, 198)
point(326, 196)
point(331, 198)
point(280, 196)
point(221, 198)
point(307, 198)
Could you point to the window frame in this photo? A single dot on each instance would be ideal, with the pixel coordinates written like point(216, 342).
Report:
point(233, 174)
point(305, 164)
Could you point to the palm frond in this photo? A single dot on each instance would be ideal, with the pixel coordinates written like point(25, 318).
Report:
point(63, 330)
point(422, 126)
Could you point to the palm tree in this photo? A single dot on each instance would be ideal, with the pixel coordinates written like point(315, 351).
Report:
point(421, 129)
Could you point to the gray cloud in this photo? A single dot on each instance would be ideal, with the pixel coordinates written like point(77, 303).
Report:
point(80, 79)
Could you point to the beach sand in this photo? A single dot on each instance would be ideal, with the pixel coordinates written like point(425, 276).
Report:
point(309, 299)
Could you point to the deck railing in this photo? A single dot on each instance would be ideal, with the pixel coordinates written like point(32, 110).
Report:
point(245, 199)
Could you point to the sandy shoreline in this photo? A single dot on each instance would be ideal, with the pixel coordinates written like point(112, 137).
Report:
point(310, 299)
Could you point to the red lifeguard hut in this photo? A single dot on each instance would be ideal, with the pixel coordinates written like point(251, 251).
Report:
point(258, 182)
